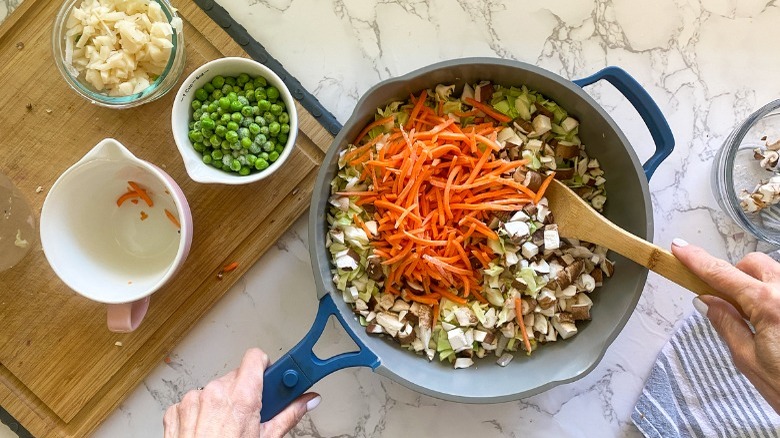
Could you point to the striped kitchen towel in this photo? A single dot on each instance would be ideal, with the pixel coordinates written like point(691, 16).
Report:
point(694, 390)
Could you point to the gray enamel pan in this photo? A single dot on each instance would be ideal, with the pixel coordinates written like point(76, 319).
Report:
point(555, 363)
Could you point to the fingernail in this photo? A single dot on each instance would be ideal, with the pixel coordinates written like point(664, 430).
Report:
point(313, 403)
point(700, 306)
point(679, 242)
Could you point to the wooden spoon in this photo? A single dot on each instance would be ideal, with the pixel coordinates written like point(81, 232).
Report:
point(578, 220)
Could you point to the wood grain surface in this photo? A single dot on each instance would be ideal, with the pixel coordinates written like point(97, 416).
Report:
point(61, 373)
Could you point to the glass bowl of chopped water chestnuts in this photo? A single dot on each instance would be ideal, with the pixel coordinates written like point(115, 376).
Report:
point(746, 174)
point(234, 122)
point(119, 53)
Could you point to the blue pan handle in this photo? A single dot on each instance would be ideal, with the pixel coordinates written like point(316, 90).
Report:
point(647, 108)
point(299, 369)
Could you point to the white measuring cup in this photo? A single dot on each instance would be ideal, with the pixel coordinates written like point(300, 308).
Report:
point(111, 253)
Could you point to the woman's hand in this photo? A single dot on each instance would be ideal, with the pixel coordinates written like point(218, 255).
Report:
point(229, 407)
point(754, 284)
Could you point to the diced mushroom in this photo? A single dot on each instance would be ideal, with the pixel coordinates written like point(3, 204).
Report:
point(463, 362)
point(517, 230)
point(400, 305)
point(529, 250)
point(608, 267)
point(374, 329)
point(565, 327)
point(528, 305)
point(540, 324)
point(541, 266)
point(457, 339)
point(386, 301)
point(504, 359)
point(598, 276)
point(569, 123)
point(564, 173)
point(406, 334)
point(347, 260)
point(551, 238)
point(546, 298)
point(586, 282)
point(374, 268)
point(389, 322)
point(465, 317)
point(373, 227)
point(541, 124)
point(580, 312)
point(360, 305)
point(490, 318)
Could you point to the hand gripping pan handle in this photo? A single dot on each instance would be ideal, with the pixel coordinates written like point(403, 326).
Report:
point(645, 106)
point(299, 369)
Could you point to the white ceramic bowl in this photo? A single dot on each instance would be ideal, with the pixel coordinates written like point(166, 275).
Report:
point(182, 112)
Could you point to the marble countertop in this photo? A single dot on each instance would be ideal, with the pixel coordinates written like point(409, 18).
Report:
point(706, 64)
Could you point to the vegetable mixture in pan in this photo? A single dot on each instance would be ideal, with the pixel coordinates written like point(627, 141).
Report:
point(440, 235)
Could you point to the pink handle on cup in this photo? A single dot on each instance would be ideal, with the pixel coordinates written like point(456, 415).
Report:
point(126, 317)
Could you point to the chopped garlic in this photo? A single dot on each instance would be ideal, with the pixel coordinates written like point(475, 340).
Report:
point(120, 46)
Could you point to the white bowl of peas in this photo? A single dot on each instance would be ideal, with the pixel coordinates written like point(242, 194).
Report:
point(234, 122)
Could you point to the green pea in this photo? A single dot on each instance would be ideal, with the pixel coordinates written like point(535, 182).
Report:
point(264, 131)
point(243, 100)
point(260, 139)
point(264, 105)
point(217, 154)
point(247, 111)
point(260, 94)
point(260, 82)
point(246, 142)
point(269, 117)
point(217, 164)
point(196, 126)
point(195, 136)
point(207, 159)
point(250, 159)
point(224, 119)
point(282, 139)
point(207, 123)
point(218, 81)
point(273, 93)
point(224, 103)
point(276, 109)
point(214, 140)
point(197, 114)
point(250, 96)
point(273, 156)
point(255, 148)
point(199, 146)
point(249, 86)
point(243, 132)
point(208, 87)
point(235, 166)
point(237, 117)
point(285, 128)
point(232, 126)
point(196, 104)
point(254, 128)
point(213, 106)
point(260, 121)
point(216, 94)
point(235, 105)
point(263, 155)
point(242, 79)
point(284, 118)
point(220, 130)
point(244, 171)
point(201, 94)
point(230, 80)
point(207, 133)
point(226, 89)
point(231, 136)
point(225, 146)
point(261, 164)
point(279, 148)
point(268, 146)
point(274, 128)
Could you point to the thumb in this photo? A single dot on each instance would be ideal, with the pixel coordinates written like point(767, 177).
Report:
point(284, 421)
point(729, 324)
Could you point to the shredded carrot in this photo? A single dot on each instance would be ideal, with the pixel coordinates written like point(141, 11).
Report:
point(488, 110)
point(230, 267)
point(433, 186)
point(125, 197)
point(172, 218)
point(543, 188)
point(142, 193)
point(521, 323)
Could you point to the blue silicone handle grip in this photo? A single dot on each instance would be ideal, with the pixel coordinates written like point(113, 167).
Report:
point(645, 106)
point(299, 369)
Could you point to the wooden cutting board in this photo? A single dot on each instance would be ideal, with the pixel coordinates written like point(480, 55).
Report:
point(61, 373)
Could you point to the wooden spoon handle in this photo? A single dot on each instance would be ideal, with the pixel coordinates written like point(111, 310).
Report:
point(661, 262)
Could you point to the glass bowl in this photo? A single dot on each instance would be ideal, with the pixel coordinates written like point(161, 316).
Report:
point(161, 85)
point(735, 170)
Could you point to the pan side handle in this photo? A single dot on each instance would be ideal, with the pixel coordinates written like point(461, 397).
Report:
point(645, 106)
point(299, 369)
